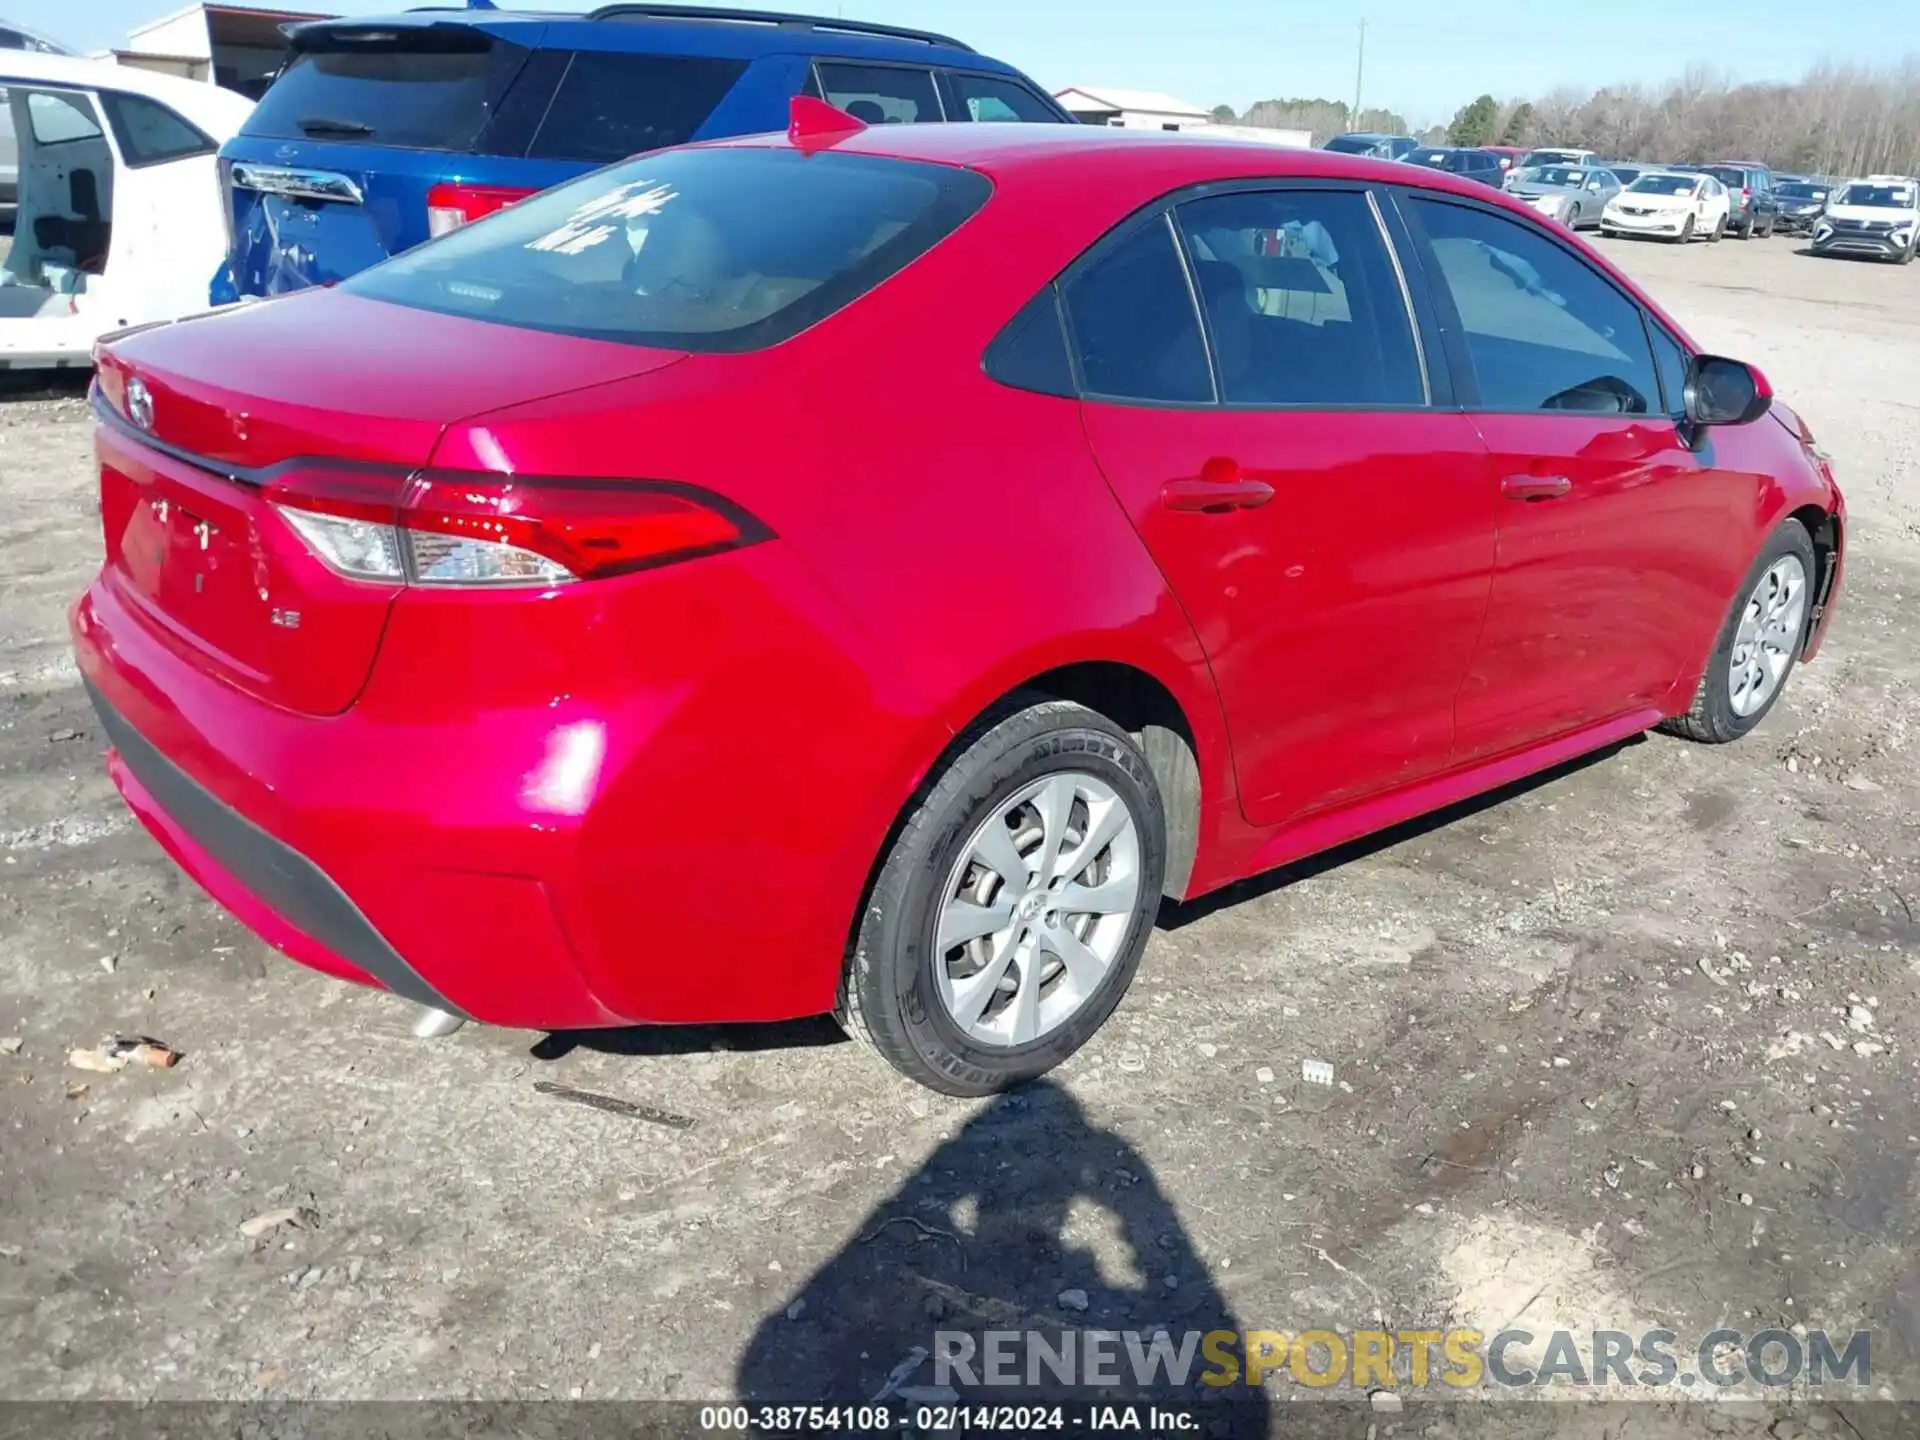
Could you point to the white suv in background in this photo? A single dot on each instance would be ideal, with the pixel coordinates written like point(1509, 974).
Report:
point(1877, 215)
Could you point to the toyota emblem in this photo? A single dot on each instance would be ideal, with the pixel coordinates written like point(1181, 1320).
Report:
point(140, 403)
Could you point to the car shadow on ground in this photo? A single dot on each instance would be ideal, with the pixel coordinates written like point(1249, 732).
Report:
point(1032, 1224)
point(818, 1030)
point(659, 1040)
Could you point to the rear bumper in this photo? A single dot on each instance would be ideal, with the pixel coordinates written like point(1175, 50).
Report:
point(442, 839)
point(272, 888)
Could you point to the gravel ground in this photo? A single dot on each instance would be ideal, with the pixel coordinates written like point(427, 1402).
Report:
point(1630, 1046)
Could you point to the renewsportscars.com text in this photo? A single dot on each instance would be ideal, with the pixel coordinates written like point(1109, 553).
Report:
point(1458, 1359)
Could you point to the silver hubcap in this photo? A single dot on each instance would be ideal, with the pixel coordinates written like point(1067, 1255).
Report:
point(1036, 909)
point(1769, 633)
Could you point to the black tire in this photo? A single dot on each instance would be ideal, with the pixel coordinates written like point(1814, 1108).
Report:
point(1719, 230)
point(1686, 232)
point(888, 992)
point(1711, 720)
point(1772, 221)
point(1906, 255)
point(1746, 231)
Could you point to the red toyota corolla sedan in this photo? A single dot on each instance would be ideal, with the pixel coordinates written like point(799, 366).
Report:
point(864, 571)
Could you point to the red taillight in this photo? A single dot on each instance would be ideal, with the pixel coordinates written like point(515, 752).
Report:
point(451, 528)
point(589, 530)
point(1745, 193)
point(449, 206)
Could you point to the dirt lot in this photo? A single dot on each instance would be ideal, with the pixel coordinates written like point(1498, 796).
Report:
point(1595, 1061)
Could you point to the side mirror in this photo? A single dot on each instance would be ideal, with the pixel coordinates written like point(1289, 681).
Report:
point(1725, 392)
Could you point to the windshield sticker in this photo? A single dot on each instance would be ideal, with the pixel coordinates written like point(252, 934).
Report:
point(605, 216)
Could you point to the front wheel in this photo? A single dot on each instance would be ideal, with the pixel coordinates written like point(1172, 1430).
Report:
point(1686, 231)
point(1758, 643)
point(1767, 234)
point(1010, 912)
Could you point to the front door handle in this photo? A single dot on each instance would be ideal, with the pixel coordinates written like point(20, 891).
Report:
point(1535, 487)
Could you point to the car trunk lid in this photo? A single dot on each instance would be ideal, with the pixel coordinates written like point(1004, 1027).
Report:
point(337, 397)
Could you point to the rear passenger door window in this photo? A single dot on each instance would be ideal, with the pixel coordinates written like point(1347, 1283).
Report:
point(1543, 329)
point(1302, 300)
point(881, 94)
point(1136, 335)
point(611, 105)
point(994, 98)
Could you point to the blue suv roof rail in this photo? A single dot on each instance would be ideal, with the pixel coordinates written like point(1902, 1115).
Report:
point(774, 17)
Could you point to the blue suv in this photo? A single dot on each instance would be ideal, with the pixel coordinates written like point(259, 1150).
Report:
point(379, 134)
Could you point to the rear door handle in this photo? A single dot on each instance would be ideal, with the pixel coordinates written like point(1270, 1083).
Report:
point(1215, 495)
point(1535, 487)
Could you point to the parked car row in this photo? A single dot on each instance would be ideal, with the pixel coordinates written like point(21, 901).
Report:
point(1874, 216)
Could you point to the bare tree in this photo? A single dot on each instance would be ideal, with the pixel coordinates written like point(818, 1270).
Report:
point(1835, 120)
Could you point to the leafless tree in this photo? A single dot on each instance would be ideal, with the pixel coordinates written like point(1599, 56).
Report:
point(1835, 120)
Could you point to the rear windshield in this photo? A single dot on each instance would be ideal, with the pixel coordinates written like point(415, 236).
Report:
point(713, 250)
point(425, 88)
point(1354, 144)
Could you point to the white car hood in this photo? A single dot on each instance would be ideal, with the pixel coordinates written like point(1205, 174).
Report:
point(1642, 201)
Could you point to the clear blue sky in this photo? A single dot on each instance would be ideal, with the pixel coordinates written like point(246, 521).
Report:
point(1424, 57)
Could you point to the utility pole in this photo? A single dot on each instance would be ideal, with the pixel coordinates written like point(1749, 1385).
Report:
point(1359, 70)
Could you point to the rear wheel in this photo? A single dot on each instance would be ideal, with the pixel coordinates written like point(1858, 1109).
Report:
point(1010, 913)
point(1758, 643)
point(1719, 231)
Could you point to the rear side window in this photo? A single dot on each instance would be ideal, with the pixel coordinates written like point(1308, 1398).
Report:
point(151, 134)
point(712, 250)
point(427, 89)
point(881, 94)
point(1301, 299)
point(610, 105)
point(990, 97)
point(1135, 330)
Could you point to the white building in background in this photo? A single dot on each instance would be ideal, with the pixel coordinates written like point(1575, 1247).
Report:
point(237, 46)
point(1131, 109)
point(1148, 110)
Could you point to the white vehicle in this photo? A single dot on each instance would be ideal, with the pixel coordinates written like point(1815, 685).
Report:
point(118, 218)
point(1878, 215)
point(1551, 156)
point(1670, 204)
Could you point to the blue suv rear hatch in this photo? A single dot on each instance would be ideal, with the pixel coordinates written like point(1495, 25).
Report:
point(379, 134)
